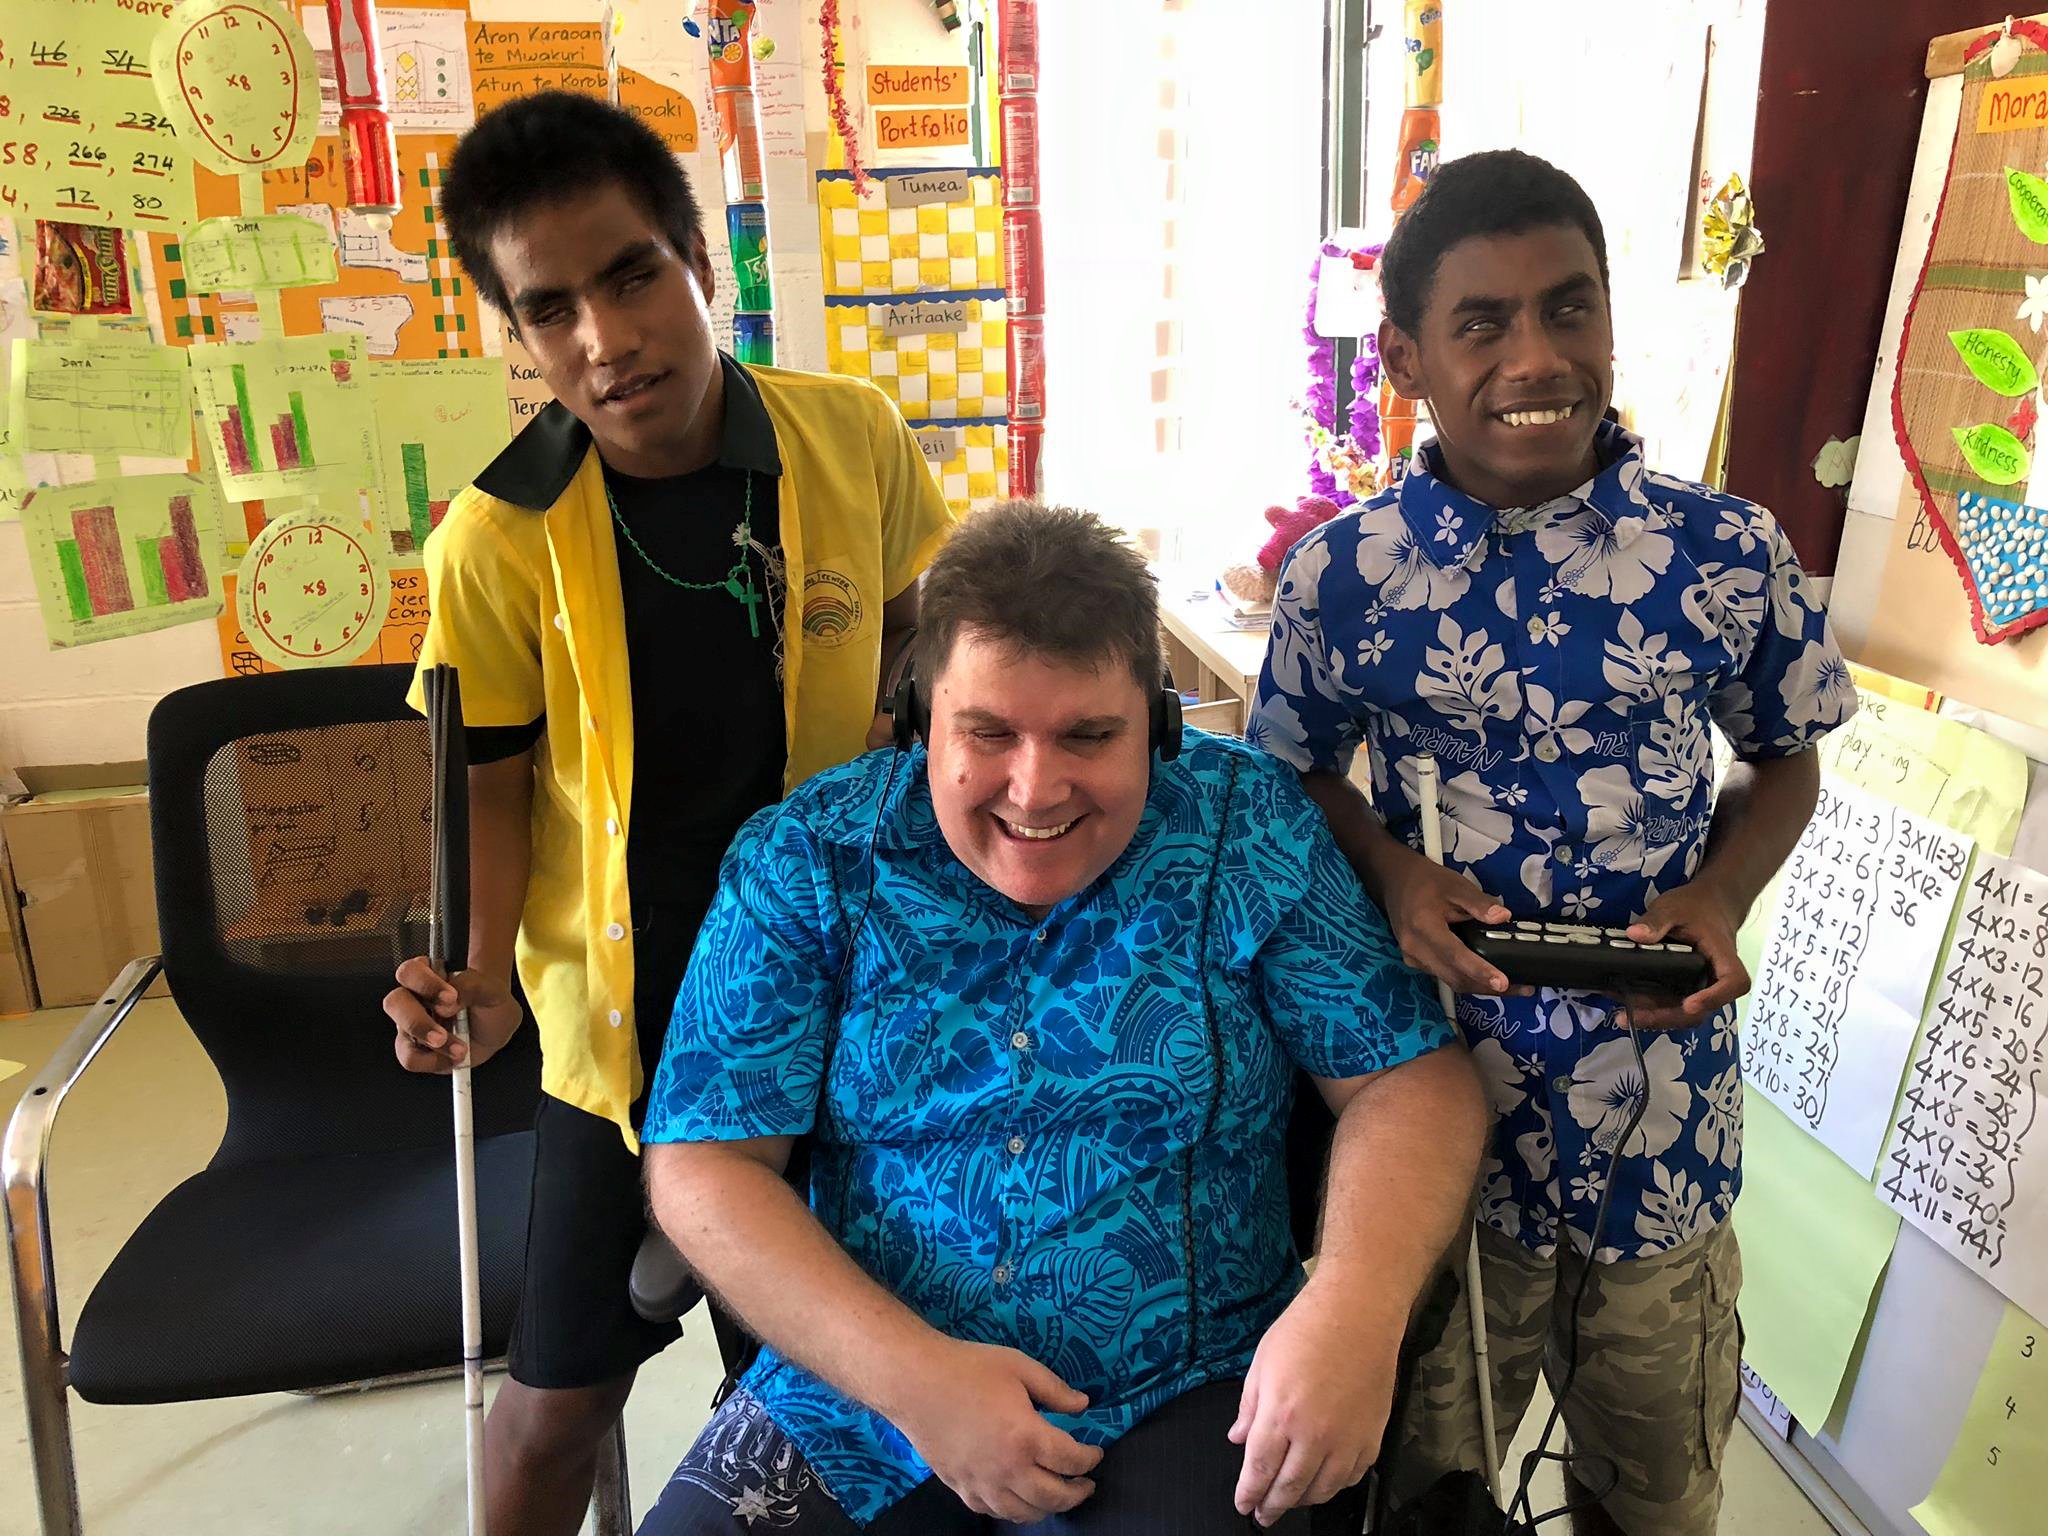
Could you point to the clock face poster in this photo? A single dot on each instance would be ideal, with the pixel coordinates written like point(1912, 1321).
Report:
point(313, 591)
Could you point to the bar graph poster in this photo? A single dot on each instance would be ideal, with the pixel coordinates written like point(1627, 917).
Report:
point(439, 422)
point(285, 417)
point(101, 396)
point(124, 557)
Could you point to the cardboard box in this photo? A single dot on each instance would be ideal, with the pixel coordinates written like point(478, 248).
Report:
point(17, 977)
point(80, 853)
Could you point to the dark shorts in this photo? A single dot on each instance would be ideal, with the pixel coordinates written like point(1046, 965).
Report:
point(1173, 1475)
point(576, 1325)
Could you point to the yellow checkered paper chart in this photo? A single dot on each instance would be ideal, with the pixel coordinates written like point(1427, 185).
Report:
point(932, 375)
point(872, 249)
point(976, 470)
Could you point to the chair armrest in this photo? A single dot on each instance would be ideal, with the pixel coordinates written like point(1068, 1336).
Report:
point(27, 1147)
point(661, 1287)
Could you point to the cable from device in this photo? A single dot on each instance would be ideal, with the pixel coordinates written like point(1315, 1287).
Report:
point(1519, 1504)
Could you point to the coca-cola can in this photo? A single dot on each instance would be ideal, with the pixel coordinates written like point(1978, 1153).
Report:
point(1024, 261)
point(1017, 45)
point(1020, 151)
point(1025, 445)
point(1026, 347)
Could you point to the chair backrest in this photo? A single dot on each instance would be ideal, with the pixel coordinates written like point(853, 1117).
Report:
point(291, 820)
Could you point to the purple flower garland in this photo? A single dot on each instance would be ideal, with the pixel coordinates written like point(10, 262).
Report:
point(1359, 443)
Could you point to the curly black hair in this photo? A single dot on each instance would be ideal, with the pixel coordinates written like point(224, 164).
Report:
point(1495, 192)
point(549, 148)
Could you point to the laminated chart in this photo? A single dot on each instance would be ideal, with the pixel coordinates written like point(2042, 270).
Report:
point(99, 397)
point(124, 557)
point(286, 417)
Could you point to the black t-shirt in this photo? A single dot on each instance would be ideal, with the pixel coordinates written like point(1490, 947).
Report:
point(708, 739)
point(709, 745)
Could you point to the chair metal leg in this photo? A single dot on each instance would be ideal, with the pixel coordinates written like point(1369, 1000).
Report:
point(25, 1214)
point(611, 1500)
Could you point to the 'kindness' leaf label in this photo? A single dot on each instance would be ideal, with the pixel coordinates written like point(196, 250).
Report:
point(1993, 453)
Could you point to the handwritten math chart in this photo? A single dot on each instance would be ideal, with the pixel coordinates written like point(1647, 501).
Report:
point(83, 136)
point(97, 397)
point(1863, 910)
point(1967, 1161)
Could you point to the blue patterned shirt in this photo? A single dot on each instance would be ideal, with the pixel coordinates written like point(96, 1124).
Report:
point(1562, 663)
point(1062, 1135)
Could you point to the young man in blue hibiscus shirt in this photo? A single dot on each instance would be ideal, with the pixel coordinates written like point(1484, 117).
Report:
point(1558, 625)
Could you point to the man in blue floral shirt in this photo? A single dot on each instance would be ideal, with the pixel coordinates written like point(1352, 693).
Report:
point(1558, 625)
point(1040, 1004)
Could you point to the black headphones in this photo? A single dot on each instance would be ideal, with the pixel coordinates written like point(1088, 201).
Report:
point(912, 716)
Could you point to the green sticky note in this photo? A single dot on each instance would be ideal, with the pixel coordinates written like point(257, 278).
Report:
point(1991, 1481)
point(1815, 1240)
point(1993, 453)
point(1997, 361)
point(1966, 779)
point(2029, 197)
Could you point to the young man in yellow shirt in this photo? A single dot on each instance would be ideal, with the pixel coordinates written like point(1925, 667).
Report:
point(681, 590)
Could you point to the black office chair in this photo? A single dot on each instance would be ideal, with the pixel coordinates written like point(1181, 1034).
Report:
point(317, 1249)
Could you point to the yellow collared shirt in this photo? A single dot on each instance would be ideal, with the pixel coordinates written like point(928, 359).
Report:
point(523, 578)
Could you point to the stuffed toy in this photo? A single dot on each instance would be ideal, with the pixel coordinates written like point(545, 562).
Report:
point(1252, 585)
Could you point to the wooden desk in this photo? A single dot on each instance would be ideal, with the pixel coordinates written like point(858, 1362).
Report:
point(1207, 654)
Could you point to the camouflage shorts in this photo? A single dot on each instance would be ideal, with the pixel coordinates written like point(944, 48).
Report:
point(1660, 1353)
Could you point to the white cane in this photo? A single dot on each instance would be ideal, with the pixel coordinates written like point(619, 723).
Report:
point(444, 713)
point(1475, 1298)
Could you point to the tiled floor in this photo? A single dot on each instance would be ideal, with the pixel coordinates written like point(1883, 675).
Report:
point(148, 1114)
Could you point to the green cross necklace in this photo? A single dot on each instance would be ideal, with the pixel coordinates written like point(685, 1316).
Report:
point(738, 582)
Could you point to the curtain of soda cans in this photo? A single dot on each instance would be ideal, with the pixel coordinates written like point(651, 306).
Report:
point(728, 36)
point(1423, 95)
point(1023, 253)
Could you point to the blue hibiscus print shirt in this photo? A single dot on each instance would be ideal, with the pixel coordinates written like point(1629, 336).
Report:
point(1562, 663)
point(1062, 1135)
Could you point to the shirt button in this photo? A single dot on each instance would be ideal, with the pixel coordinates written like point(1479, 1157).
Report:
point(1038, 937)
point(616, 932)
point(559, 623)
point(1002, 1274)
point(617, 1018)
point(611, 826)
point(1535, 629)
point(1565, 854)
point(1016, 1146)
point(1020, 1041)
point(1560, 1085)
point(1548, 750)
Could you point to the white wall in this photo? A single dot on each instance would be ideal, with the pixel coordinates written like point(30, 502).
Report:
point(1610, 91)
